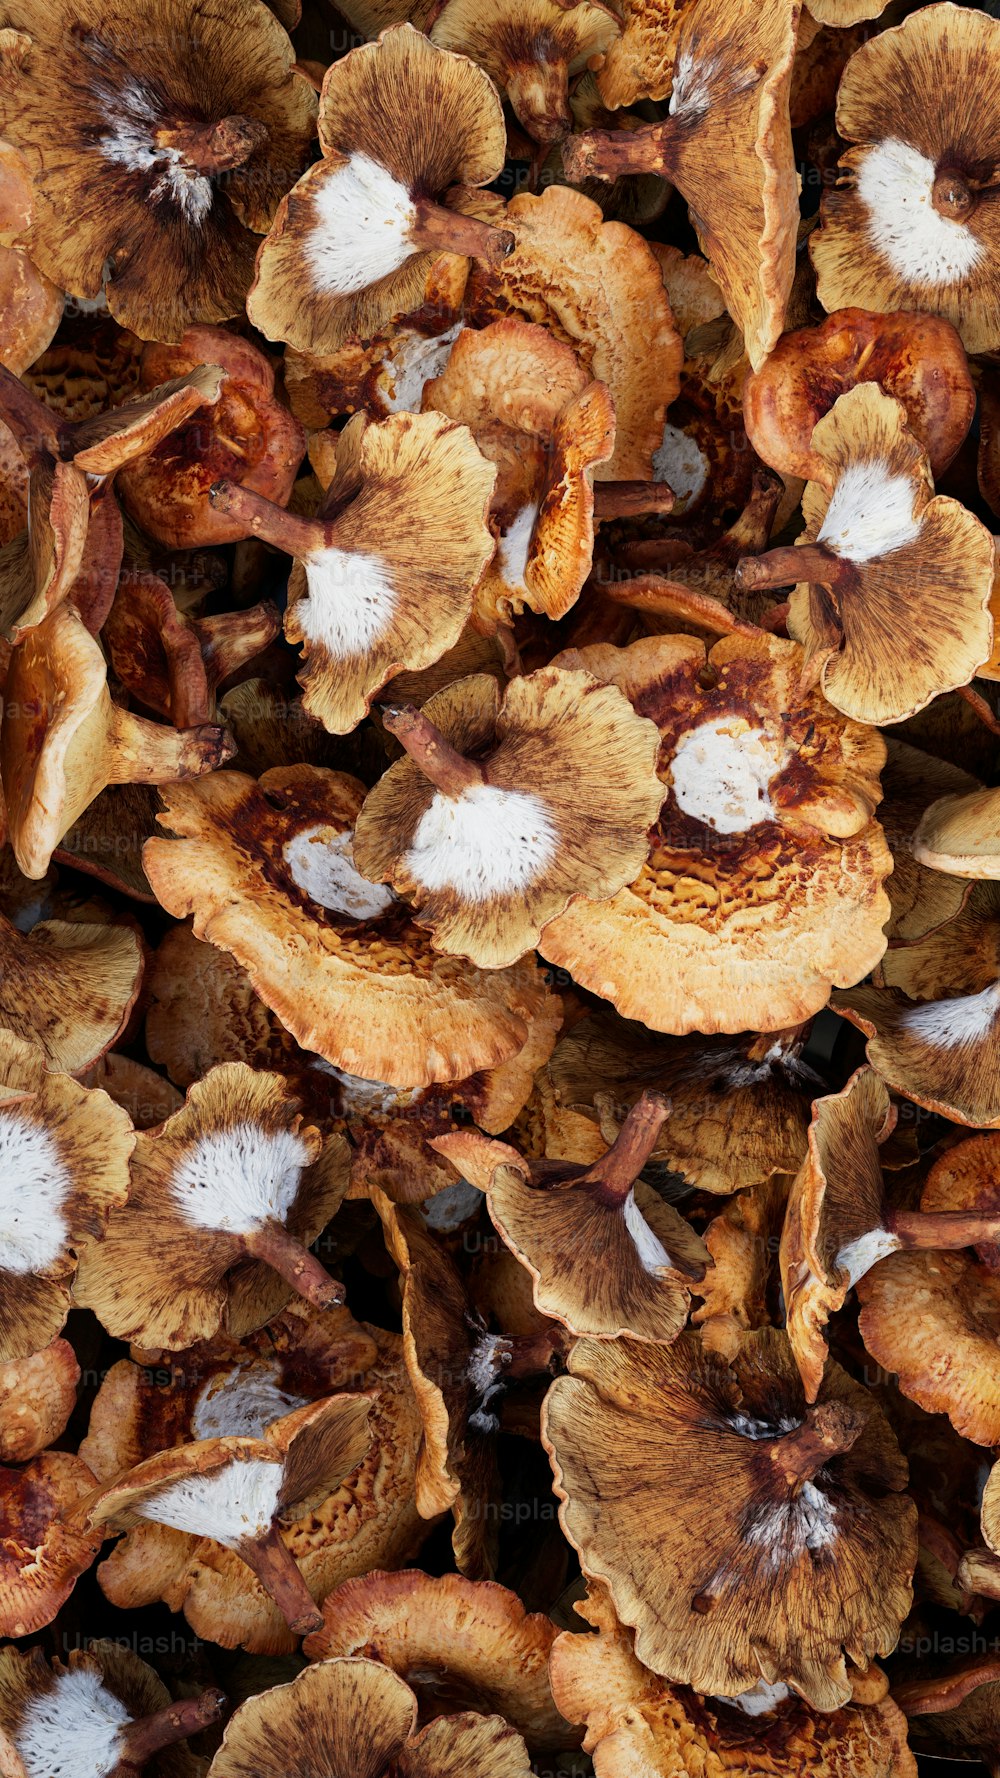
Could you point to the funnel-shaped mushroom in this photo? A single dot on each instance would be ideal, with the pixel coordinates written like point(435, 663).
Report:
point(232, 1177)
point(407, 132)
point(742, 1536)
point(385, 572)
point(173, 664)
point(531, 49)
point(37, 1396)
point(65, 1151)
point(104, 1714)
point(960, 835)
point(726, 145)
point(268, 873)
point(509, 808)
point(607, 1256)
point(764, 877)
point(914, 222)
point(240, 1491)
point(892, 582)
point(44, 1547)
point(69, 987)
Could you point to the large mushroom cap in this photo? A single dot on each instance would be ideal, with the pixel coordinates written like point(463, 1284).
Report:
point(70, 986)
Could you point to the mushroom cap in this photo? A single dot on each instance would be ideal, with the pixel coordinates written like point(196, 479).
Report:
point(729, 927)
point(376, 103)
point(70, 986)
point(919, 101)
point(369, 994)
point(106, 840)
point(918, 359)
point(202, 1011)
point(44, 1547)
point(530, 48)
point(569, 791)
point(956, 1708)
point(640, 63)
point(959, 835)
point(923, 897)
point(40, 565)
point(597, 286)
point(730, 1580)
point(460, 1643)
point(37, 1397)
point(739, 1287)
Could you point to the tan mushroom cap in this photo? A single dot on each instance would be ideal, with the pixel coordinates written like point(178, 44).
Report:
point(681, 1480)
point(958, 1708)
point(923, 897)
point(106, 840)
point(640, 63)
point(531, 49)
point(232, 1180)
point(739, 1288)
point(383, 168)
point(203, 1010)
point(66, 1150)
point(597, 286)
point(144, 1094)
point(70, 986)
point(30, 304)
point(914, 222)
point(43, 1547)
point(367, 993)
point(37, 1396)
point(459, 1643)
point(729, 926)
point(510, 808)
point(959, 835)
point(40, 565)
point(384, 374)
point(891, 600)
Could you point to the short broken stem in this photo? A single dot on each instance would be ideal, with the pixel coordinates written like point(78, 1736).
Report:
point(447, 769)
point(142, 752)
point(827, 1430)
point(263, 518)
point(943, 1230)
point(615, 154)
point(629, 500)
point(278, 1572)
point(231, 639)
point(813, 563)
point(436, 229)
point(139, 1740)
point(286, 1255)
point(215, 147)
point(617, 1171)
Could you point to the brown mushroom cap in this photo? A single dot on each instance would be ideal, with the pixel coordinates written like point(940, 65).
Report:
point(351, 977)
point(640, 63)
point(44, 1548)
point(683, 1485)
point(511, 807)
point(957, 1708)
point(70, 986)
point(530, 48)
point(202, 1011)
point(923, 897)
point(106, 840)
point(960, 835)
point(37, 1396)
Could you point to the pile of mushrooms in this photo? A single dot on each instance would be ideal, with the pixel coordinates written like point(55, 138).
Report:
point(499, 889)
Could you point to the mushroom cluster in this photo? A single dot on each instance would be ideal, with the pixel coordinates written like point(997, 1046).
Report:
point(499, 888)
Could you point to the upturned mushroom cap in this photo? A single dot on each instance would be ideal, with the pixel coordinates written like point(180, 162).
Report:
point(267, 872)
point(893, 582)
point(596, 284)
point(742, 1537)
point(232, 1177)
point(357, 1716)
point(509, 808)
point(918, 359)
point(129, 119)
point(957, 1708)
point(530, 48)
point(402, 124)
point(639, 64)
point(726, 145)
point(459, 1643)
point(764, 878)
point(959, 835)
point(44, 1548)
point(69, 987)
point(914, 222)
point(37, 1396)
point(922, 894)
point(65, 1168)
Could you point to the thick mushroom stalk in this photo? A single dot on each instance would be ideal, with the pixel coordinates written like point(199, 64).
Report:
point(827, 1431)
point(615, 154)
point(146, 1735)
point(268, 521)
point(944, 1230)
point(447, 769)
point(277, 1248)
point(616, 1172)
point(792, 565)
point(215, 148)
point(436, 229)
point(629, 500)
point(276, 1569)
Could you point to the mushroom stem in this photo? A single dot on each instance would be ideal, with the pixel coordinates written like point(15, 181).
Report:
point(828, 1429)
point(531, 1355)
point(139, 1740)
point(34, 427)
point(215, 147)
point(278, 1572)
point(950, 195)
point(813, 563)
point(286, 1255)
point(617, 1171)
point(436, 229)
point(941, 1230)
point(627, 500)
point(448, 770)
point(263, 518)
point(539, 99)
point(142, 752)
point(613, 154)
point(232, 638)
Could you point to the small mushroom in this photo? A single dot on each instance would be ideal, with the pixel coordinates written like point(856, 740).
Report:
point(70, 987)
point(531, 49)
point(37, 1397)
point(44, 1547)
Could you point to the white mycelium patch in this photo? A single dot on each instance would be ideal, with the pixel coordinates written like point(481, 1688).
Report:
point(321, 861)
point(350, 603)
point(239, 1179)
point(415, 360)
point(134, 117)
point(758, 1702)
point(951, 1023)
point(857, 1257)
point(514, 547)
point(362, 232)
point(448, 1209)
point(681, 464)
point(34, 1186)
point(894, 182)
point(243, 1401)
point(721, 771)
point(749, 1426)
point(870, 513)
point(691, 93)
point(72, 1730)
point(653, 1256)
point(786, 1529)
point(485, 1372)
point(230, 1504)
point(484, 842)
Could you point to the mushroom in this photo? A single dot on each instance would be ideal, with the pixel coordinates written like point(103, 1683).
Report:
point(173, 664)
point(957, 1708)
point(357, 1716)
point(386, 570)
point(70, 987)
point(960, 835)
point(923, 898)
point(106, 840)
point(892, 582)
point(509, 809)
point(226, 1193)
point(248, 437)
point(161, 151)
point(911, 224)
point(44, 1547)
point(382, 375)
point(65, 1167)
point(726, 145)
point(102, 1714)
point(741, 1285)
point(639, 64)
point(37, 1397)
point(742, 1536)
point(764, 877)
point(402, 125)
point(31, 305)
point(202, 1011)
point(531, 49)
point(607, 1256)
point(144, 1094)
